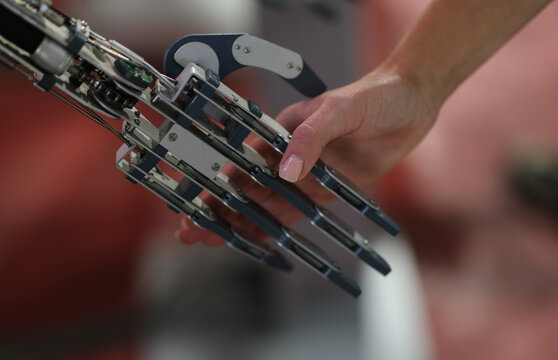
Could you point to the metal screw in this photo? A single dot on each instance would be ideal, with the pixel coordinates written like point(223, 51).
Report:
point(137, 121)
point(298, 68)
point(215, 167)
point(173, 137)
point(247, 50)
point(235, 98)
point(290, 65)
point(365, 242)
point(237, 47)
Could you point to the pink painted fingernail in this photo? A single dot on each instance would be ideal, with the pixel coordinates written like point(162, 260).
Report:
point(292, 168)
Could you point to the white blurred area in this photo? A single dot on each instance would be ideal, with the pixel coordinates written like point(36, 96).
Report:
point(143, 23)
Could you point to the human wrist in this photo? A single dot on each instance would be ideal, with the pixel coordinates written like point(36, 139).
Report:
point(428, 86)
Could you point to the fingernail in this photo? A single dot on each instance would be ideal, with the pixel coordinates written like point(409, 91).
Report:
point(291, 169)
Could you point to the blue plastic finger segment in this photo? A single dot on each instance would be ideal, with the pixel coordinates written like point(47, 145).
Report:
point(343, 281)
point(351, 194)
point(373, 259)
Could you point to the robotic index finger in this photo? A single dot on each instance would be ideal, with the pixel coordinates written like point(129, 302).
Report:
point(100, 76)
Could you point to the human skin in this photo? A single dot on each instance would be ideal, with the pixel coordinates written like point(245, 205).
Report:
point(388, 111)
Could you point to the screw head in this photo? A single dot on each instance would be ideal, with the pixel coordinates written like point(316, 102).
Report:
point(215, 167)
point(237, 47)
point(290, 65)
point(137, 121)
point(247, 50)
point(173, 137)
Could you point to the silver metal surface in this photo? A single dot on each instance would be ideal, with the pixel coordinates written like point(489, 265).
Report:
point(199, 53)
point(249, 50)
point(227, 93)
point(193, 151)
point(52, 57)
point(173, 92)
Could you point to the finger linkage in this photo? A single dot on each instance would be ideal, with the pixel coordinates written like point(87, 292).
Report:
point(203, 129)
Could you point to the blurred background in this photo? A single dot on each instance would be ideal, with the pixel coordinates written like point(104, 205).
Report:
point(90, 269)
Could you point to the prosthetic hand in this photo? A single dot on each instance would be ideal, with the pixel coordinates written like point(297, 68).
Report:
point(204, 127)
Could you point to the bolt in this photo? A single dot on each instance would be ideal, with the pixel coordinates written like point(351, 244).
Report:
point(137, 121)
point(298, 68)
point(215, 167)
point(290, 65)
point(173, 137)
point(247, 50)
point(235, 98)
point(365, 242)
point(237, 47)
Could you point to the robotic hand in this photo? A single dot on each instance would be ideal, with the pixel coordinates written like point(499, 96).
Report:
point(205, 126)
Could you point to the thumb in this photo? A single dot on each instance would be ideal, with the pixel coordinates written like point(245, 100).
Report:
point(309, 139)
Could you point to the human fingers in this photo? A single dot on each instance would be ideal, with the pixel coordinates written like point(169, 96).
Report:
point(294, 115)
point(337, 114)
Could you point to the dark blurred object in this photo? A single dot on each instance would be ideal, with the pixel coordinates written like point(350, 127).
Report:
point(323, 9)
point(535, 178)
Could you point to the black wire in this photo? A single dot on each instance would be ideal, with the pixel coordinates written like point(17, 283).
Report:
point(92, 115)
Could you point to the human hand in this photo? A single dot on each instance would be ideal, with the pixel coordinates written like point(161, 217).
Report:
point(362, 129)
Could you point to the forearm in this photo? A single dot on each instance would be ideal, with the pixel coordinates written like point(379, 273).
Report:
point(454, 37)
